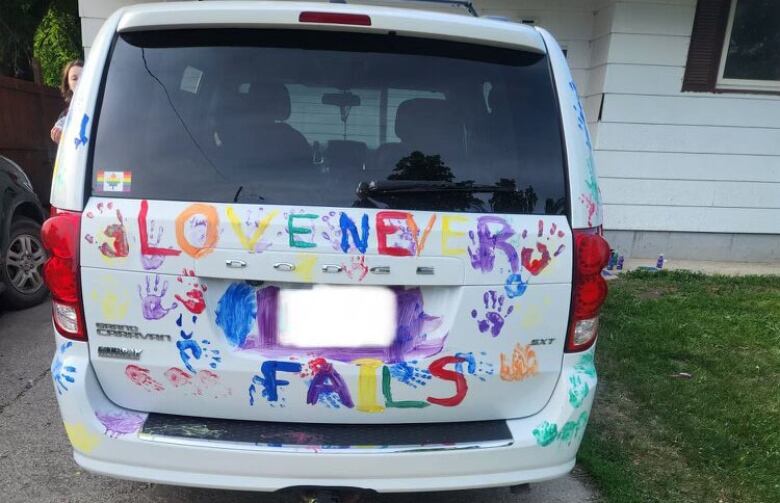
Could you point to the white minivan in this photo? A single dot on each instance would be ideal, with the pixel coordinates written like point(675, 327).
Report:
point(307, 245)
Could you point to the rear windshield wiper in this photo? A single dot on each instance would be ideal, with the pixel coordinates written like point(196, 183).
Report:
point(374, 187)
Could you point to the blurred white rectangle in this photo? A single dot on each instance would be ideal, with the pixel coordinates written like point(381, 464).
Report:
point(328, 316)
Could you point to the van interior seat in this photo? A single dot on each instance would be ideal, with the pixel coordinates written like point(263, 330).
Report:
point(502, 137)
point(253, 128)
point(346, 154)
point(430, 126)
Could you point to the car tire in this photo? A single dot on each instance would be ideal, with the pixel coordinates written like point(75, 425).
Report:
point(22, 266)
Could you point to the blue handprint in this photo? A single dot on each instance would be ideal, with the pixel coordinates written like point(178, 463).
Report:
point(331, 400)
point(189, 348)
point(259, 383)
point(515, 286)
point(475, 365)
point(409, 374)
point(60, 373)
point(582, 122)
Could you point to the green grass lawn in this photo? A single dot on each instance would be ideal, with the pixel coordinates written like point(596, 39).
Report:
point(657, 435)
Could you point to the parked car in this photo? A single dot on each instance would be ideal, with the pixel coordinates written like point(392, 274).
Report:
point(322, 245)
point(21, 252)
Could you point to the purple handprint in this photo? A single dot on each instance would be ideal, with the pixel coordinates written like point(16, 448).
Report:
point(152, 262)
point(151, 302)
point(494, 318)
point(333, 233)
point(121, 422)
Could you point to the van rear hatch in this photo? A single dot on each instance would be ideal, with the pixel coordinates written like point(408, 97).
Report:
point(324, 226)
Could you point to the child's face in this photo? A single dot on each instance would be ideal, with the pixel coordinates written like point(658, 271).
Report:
point(73, 77)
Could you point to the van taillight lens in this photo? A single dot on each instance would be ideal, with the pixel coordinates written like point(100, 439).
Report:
point(60, 236)
point(334, 18)
point(591, 254)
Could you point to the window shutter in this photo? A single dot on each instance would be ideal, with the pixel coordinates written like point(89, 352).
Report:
point(709, 30)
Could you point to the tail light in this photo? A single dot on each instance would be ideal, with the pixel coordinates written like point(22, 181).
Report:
point(591, 254)
point(60, 235)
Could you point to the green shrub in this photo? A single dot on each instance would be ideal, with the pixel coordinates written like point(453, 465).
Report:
point(57, 40)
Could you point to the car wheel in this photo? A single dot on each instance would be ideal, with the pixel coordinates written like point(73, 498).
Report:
point(22, 268)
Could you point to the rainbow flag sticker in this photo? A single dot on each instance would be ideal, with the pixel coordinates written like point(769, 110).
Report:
point(114, 181)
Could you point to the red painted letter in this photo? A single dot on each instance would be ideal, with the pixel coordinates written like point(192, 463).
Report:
point(143, 232)
point(461, 387)
point(384, 228)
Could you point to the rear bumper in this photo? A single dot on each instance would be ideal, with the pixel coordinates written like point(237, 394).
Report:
point(405, 482)
point(544, 446)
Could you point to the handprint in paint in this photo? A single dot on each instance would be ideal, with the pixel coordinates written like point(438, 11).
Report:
point(475, 365)
point(268, 383)
point(572, 429)
point(590, 206)
point(117, 232)
point(586, 365)
point(547, 432)
point(189, 348)
point(193, 299)
point(515, 286)
point(494, 317)
point(62, 374)
point(152, 262)
point(331, 400)
point(534, 263)
point(258, 385)
point(203, 383)
point(410, 374)
point(579, 112)
point(121, 422)
point(141, 377)
point(522, 365)
point(357, 268)
point(152, 299)
point(590, 180)
point(333, 232)
point(578, 390)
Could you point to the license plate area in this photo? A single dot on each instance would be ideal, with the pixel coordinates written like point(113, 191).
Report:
point(336, 316)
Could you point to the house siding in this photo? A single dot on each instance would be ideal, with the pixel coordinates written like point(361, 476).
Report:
point(691, 175)
point(674, 161)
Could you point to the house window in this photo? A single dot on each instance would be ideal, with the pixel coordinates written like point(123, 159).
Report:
point(735, 46)
point(751, 48)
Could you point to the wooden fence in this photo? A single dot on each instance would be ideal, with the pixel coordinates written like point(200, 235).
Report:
point(27, 113)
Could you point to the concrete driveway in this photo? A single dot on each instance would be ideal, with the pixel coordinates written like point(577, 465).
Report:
point(35, 457)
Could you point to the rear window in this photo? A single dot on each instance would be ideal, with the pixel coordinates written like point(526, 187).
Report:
point(308, 118)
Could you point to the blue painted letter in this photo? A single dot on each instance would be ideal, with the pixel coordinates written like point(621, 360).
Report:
point(270, 382)
point(349, 227)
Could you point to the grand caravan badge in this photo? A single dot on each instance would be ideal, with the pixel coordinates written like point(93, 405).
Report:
point(128, 332)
